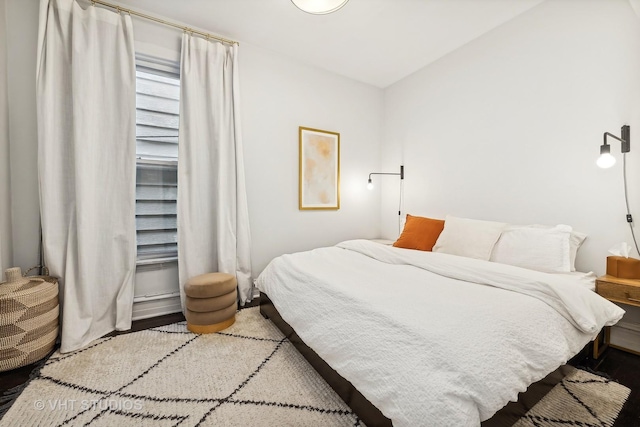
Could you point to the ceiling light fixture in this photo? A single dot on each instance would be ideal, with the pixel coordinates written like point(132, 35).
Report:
point(319, 7)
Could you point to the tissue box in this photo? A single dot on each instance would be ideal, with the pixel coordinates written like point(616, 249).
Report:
point(624, 268)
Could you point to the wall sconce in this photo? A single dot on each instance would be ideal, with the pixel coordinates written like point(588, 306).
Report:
point(606, 160)
point(319, 7)
point(401, 175)
point(370, 183)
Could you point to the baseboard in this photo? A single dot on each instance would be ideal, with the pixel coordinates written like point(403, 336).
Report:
point(626, 335)
point(158, 305)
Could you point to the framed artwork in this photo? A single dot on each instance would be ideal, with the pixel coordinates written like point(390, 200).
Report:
point(319, 173)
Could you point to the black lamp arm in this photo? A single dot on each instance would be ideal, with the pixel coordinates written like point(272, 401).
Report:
point(625, 138)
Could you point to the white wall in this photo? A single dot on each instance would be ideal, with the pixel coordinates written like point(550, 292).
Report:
point(278, 95)
point(6, 257)
point(22, 35)
point(508, 127)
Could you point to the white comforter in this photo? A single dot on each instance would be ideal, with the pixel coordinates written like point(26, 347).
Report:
point(433, 339)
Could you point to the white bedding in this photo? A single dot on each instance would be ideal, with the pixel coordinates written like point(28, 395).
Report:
point(431, 338)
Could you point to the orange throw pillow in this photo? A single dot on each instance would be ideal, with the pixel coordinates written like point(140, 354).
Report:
point(420, 233)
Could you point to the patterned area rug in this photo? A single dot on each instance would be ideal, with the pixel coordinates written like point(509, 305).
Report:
point(247, 375)
point(580, 399)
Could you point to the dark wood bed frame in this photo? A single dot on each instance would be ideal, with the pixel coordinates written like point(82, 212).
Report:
point(371, 415)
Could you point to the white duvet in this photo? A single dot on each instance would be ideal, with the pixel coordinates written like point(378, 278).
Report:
point(433, 339)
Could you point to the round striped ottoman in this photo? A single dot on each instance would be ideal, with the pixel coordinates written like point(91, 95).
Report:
point(211, 302)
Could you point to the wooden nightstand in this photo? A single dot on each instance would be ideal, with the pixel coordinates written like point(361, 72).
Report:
point(623, 291)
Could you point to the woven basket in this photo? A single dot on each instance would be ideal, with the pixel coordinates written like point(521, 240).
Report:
point(28, 318)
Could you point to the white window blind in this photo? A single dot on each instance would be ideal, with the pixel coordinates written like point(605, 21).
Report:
point(157, 121)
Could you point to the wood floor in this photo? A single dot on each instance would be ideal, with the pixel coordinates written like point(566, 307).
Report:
point(620, 366)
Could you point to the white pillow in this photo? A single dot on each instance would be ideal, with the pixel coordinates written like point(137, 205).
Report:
point(575, 241)
point(542, 249)
point(470, 238)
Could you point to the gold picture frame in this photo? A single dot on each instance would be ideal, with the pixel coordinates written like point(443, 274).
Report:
point(319, 169)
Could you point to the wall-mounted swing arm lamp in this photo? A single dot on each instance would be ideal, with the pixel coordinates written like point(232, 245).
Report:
point(401, 175)
point(370, 183)
point(606, 160)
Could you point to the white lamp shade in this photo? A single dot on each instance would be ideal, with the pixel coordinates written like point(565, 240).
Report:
point(606, 160)
point(319, 7)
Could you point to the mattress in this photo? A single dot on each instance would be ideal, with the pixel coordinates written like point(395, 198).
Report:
point(431, 338)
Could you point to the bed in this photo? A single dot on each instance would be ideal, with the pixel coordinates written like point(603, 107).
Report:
point(432, 336)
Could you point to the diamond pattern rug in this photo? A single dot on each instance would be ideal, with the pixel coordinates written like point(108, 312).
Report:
point(580, 399)
point(246, 375)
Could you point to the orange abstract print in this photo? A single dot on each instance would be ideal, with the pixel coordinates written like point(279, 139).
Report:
point(319, 169)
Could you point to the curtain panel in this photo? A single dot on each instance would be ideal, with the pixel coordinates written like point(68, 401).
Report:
point(213, 220)
point(86, 164)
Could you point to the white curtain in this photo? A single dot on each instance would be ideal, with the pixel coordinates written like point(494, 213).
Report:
point(213, 220)
point(86, 164)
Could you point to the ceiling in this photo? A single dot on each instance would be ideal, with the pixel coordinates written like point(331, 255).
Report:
point(373, 41)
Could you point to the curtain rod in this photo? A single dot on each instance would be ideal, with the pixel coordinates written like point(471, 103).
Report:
point(162, 21)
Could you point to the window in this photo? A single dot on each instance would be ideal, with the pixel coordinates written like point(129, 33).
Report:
point(157, 120)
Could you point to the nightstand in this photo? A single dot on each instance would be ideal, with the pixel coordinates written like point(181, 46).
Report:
point(623, 291)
